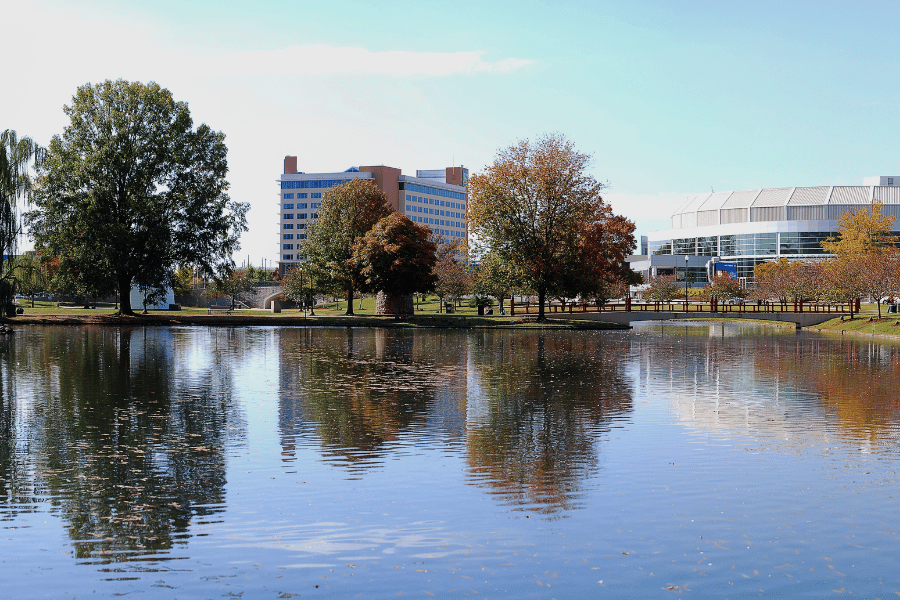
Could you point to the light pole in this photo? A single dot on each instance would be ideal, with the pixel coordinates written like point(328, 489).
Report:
point(685, 283)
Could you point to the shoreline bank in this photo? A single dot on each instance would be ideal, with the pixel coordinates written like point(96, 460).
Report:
point(418, 321)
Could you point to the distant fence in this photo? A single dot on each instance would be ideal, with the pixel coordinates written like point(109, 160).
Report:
point(708, 306)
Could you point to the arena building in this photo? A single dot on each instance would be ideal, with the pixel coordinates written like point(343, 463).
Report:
point(740, 229)
point(436, 198)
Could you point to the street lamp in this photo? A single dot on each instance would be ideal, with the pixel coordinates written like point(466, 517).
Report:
point(685, 283)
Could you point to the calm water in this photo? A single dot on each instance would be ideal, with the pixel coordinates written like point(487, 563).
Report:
point(695, 459)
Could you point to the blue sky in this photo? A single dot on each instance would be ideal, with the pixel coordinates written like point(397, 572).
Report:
point(670, 98)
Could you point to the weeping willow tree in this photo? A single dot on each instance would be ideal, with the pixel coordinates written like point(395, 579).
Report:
point(15, 183)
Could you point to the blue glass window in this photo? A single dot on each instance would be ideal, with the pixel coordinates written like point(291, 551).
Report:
point(316, 195)
point(315, 215)
point(301, 225)
point(288, 206)
point(288, 236)
point(289, 216)
point(431, 191)
point(303, 195)
point(288, 226)
point(301, 215)
point(302, 236)
point(301, 205)
point(287, 246)
point(288, 257)
point(289, 196)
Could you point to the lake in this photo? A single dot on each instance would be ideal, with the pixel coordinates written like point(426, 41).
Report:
point(703, 459)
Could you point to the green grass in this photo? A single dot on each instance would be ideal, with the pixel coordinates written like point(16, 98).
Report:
point(333, 313)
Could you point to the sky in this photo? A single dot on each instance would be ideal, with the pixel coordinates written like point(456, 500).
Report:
point(670, 98)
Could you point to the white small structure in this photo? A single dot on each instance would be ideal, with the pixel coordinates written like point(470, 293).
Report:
point(137, 300)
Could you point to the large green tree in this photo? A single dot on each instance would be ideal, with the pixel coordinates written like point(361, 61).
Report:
point(131, 189)
point(397, 257)
point(16, 156)
point(347, 212)
point(539, 209)
point(496, 277)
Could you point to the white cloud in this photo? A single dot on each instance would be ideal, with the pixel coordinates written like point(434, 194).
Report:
point(322, 59)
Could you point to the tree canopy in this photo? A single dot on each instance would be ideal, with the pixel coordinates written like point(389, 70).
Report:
point(451, 269)
point(130, 189)
point(16, 156)
point(397, 257)
point(347, 212)
point(539, 209)
point(860, 231)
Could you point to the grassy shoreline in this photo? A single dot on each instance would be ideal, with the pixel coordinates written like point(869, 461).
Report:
point(427, 315)
point(330, 315)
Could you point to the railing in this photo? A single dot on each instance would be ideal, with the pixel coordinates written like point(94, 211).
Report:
point(707, 306)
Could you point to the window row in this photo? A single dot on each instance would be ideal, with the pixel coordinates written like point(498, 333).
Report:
point(430, 221)
point(431, 191)
point(750, 244)
point(311, 183)
point(423, 200)
point(299, 205)
point(433, 211)
point(299, 225)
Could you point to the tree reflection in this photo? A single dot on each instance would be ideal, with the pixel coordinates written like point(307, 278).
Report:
point(546, 395)
point(856, 382)
point(357, 390)
point(126, 460)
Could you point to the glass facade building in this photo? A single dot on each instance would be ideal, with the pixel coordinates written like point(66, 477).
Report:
point(748, 227)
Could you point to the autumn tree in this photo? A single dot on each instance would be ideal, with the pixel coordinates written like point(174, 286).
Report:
point(131, 189)
point(536, 207)
point(664, 288)
point(396, 257)
point(861, 231)
point(451, 269)
point(229, 283)
point(347, 212)
point(597, 268)
point(881, 274)
point(725, 287)
point(777, 280)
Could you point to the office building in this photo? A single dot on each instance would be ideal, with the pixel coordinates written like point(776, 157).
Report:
point(436, 198)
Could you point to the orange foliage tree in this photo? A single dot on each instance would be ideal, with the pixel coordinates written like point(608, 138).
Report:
point(541, 212)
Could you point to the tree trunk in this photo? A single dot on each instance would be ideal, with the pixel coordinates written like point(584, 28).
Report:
point(542, 297)
point(125, 296)
point(349, 301)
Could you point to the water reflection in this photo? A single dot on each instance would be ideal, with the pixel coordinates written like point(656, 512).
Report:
point(762, 380)
point(357, 390)
point(526, 406)
point(100, 426)
point(545, 397)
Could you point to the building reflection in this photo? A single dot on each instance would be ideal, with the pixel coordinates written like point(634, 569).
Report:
point(109, 430)
point(768, 382)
